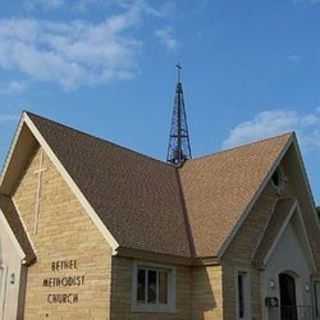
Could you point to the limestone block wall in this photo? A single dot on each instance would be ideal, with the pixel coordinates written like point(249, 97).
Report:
point(207, 293)
point(121, 293)
point(229, 291)
point(246, 241)
point(71, 278)
point(239, 255)
point(240, 252)
point(69, 246)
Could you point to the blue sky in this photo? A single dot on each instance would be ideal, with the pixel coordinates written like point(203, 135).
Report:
point(251, 70)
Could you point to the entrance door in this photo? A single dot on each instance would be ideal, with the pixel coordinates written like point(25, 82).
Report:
point(288, 301)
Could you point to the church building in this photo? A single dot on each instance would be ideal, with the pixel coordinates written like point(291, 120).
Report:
point(93, 231)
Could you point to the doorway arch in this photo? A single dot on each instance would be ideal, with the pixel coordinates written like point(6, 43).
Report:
point(288, 298)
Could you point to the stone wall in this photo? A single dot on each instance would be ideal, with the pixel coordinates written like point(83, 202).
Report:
point(240, 253)
point(65, 233)
point(121, 293)
point(198, 292)
point(207, 293)
point(229, 290)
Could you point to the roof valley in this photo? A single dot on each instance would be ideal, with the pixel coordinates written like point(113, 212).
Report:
point(186, 216)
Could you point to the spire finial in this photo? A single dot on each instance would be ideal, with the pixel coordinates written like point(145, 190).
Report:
point(179, 149)
point(179, 68)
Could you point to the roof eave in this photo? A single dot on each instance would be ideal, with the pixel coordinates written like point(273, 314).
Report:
point(159, 257)
point(11, 173)
point(22, 145)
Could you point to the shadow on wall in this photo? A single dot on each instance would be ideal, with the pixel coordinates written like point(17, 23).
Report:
point(198, 293)
point(206, 293)
point(120, 291)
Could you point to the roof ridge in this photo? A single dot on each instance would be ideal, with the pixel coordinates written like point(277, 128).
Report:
point(99, 138)
point(149, 157)
point(289, 133)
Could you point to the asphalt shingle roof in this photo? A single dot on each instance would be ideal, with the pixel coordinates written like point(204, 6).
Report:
point(151, 205)
point(217, 189)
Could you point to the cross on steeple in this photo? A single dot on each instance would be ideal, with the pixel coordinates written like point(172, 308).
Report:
point(179, 149)
point(179, 68)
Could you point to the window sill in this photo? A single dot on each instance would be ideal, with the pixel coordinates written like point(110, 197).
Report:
point(152, 309)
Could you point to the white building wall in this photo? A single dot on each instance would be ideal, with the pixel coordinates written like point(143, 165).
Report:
point(289, 256)
point(10, 269)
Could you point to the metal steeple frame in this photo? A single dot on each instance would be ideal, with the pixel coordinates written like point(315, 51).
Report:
point(179, 149)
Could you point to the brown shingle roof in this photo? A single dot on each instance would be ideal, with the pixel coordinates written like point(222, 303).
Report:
point(136, 197)
point(217, 189)
point(8, 209)
point(150, 205)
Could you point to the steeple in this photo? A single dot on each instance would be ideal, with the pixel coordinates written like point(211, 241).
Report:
point(179, 148)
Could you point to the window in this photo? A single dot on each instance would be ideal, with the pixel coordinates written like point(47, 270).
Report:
point(153, 289)
point(152, 286)
point(278, 179)
point(243, 295)
point(316, 293)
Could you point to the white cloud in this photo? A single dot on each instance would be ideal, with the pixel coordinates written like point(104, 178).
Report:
point(8, 117)
point(12, 88)
point(165, 9)
point(48, 5)
point(78, 52)
point(43, 4)
point(71, 53)
point(167, 38)
point(270, 123)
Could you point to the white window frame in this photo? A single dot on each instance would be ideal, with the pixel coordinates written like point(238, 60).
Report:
point(246, 293)
point(170, 307)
